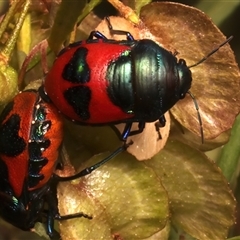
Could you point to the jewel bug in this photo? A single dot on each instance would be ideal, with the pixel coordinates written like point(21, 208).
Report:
point(30, 136)
point(104, 81)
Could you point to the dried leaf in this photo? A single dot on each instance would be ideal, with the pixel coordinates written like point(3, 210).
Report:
point(193, 35)
point(118, 23)
point(184, 135)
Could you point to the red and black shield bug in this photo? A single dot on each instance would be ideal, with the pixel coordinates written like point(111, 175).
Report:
point(103, 81)
point(30, 136)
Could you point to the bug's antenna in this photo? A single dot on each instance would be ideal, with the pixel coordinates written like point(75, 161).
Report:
point(198, 113)
point(212, 52)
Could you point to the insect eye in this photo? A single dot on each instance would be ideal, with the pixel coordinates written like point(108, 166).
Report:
point(182, 95)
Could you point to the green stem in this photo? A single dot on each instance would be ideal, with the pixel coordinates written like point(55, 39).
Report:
point(229, 159)
point(7, 17)
point(8, 49)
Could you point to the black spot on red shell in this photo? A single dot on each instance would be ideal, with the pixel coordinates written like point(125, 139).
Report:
point(4, 180)
point(79, 98)
point(11, 144)
point(37, 161)
point(6, 111)
point(38, 144)
point(77, 69)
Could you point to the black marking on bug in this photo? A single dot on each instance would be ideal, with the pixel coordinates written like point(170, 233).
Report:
point(4, 180)
point(77, 69)
point(79, 98)
point(38, 144)
point(145, 81)
point(37, 162)
point(157, 79)
point(11, 144)
point(44, 95)
point(6, 111)
point(36, 165)
point(120, 77)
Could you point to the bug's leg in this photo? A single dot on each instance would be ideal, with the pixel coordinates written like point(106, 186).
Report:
point(93, 34)
point(73, 215)
point(160, 124)
point(52, 200)
point(50, 224)
point(119, 32)
point(141, 126)
point(53, 212)
point(126, 131)
point(90, 169)
point(162, 121)
point(97, 35)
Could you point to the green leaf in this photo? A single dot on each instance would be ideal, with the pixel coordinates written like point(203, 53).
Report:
point(234, 238)
point(62, 27)
point(201, 201)
point(124, 197)
point(229, 159)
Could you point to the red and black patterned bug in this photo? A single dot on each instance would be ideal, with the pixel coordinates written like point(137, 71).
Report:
point(30, 136)
point(103, 81)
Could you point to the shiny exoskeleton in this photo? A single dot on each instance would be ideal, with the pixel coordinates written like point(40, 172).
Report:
point(102, 81)
point(30, 136)
point(31, 133)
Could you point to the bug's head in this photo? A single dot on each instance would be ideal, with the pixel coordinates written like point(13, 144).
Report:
point(185, 78)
